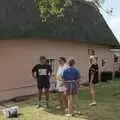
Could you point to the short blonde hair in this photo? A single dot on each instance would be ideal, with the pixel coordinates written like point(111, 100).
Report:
point(71, 62)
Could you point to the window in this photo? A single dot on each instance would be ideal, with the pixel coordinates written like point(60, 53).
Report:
point(91, 52)
point(103, 62)
point(115, 58)
point(51, 62)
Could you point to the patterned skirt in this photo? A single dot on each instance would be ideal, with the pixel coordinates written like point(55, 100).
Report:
point(71, 88)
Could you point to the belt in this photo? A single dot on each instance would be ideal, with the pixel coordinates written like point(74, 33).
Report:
point(70, 81)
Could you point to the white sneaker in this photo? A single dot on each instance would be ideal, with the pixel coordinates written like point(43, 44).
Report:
point(41, 108)
point(68, 115)
point(93, 103)
point(58, 107)
point(45, 106)
point(76, 112)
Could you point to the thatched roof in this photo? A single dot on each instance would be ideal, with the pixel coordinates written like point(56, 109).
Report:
point(82, 21)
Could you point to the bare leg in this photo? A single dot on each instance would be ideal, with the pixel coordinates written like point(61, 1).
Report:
point(39, 94)
point(39, 97)
point(46, 95)
point(63, 99)
point(92, 92)
point(69, 104)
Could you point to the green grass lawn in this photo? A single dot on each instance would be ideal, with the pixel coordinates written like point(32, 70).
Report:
point(108, 106)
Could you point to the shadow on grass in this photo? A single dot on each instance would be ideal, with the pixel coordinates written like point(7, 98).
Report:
point(54, 101)
point(61, 112)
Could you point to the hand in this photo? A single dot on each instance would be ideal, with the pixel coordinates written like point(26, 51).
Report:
point(61, 84)
point(78, 85)
point(34, 76)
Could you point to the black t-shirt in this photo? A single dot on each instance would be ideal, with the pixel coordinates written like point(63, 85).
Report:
point(93, 70)
point(42, 71)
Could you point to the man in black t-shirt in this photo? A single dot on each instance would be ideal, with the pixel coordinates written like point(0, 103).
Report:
point(42, 73)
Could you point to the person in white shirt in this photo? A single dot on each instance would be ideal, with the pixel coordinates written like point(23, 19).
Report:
point(60, 85)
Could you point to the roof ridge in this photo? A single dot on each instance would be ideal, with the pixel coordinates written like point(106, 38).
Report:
point(19, 23)
point(88, 3)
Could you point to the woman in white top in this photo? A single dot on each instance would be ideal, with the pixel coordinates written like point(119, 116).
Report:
point(60, 86)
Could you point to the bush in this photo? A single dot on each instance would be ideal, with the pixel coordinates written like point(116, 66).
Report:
point(106, 75)
point(117, 74)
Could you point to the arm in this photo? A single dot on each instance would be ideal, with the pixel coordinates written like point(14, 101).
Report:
point(78, 78)
point(92, 77)
point(34, 74)
point(58, 75)
point(50, 71)
point(63, 77)
point(78, 83)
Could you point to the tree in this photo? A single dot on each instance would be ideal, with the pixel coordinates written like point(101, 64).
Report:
point(49, 8)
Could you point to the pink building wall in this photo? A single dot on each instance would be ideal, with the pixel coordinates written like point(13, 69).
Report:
point(17, 57)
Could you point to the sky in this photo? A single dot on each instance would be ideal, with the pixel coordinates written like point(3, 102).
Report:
point(114, 19)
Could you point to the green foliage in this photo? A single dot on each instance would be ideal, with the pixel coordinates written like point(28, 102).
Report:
point(48, 8)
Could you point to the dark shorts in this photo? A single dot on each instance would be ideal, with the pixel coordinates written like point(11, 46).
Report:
point(43, 84)
point(71, 88)
point(95, 79)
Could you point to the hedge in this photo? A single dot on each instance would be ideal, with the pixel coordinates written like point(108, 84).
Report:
point(117, 74)
point(106, 75)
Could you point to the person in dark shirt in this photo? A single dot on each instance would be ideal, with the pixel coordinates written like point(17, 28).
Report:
point(93, 78)
point(42, 73)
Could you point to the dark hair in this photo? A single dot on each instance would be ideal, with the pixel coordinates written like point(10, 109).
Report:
point(63, 59)
point(71, 62)
point(42, 57)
